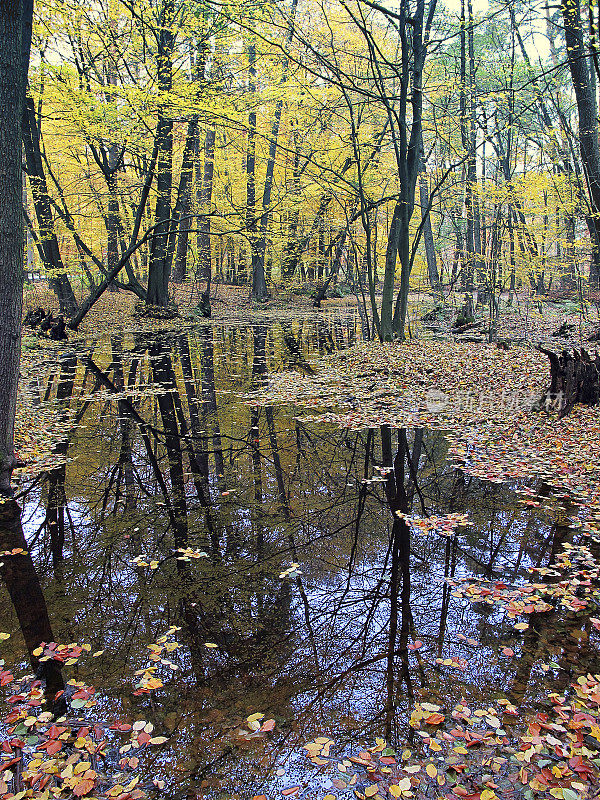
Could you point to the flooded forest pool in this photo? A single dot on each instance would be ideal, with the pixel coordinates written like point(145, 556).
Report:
point(275, 549)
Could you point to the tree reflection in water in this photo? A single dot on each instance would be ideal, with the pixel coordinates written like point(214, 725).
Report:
point(164, 452)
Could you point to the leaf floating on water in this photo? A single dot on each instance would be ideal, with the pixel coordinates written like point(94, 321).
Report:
point(210, 645)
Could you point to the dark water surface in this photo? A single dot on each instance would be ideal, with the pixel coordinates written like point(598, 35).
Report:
point(166, 453)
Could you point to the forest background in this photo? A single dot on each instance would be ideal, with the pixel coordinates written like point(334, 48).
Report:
point(273, 145)
point(289, 146)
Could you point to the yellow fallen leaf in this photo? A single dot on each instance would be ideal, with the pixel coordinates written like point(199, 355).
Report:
point(372, 790)
point(431, 770)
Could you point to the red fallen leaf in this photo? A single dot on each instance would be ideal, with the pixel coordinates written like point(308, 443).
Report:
point(507, 651)
point(578, 764)
point(434, 719)
point(387, 760)
point(259, 797)
point(143, 737)
point(54, 731)
point(291, 790)
point(17, 744)
point(6, 677)
point(8, 764)
point(53, 747)
point(83, 732)
point(45, 780)
point(416, 645)
point(267, 726)
point(84, 786)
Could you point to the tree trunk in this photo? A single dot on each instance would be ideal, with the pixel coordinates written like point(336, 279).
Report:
point(432, 268)
point(112, 216)
point(259, 284)
point(205, 199)
point(159, 267)
point(293, 247)
point(12, 94)
point(184, 200)
point(49, 250)
point(407, 147)
point(577, 53)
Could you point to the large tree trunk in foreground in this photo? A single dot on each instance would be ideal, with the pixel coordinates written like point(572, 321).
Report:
point(574, 378)
point(587, 111)
point(12, 95)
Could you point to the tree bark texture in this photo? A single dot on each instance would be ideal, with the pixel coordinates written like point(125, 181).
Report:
point(588, 120)
point(574, 378)
point(12, 95)
point(160, 262)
